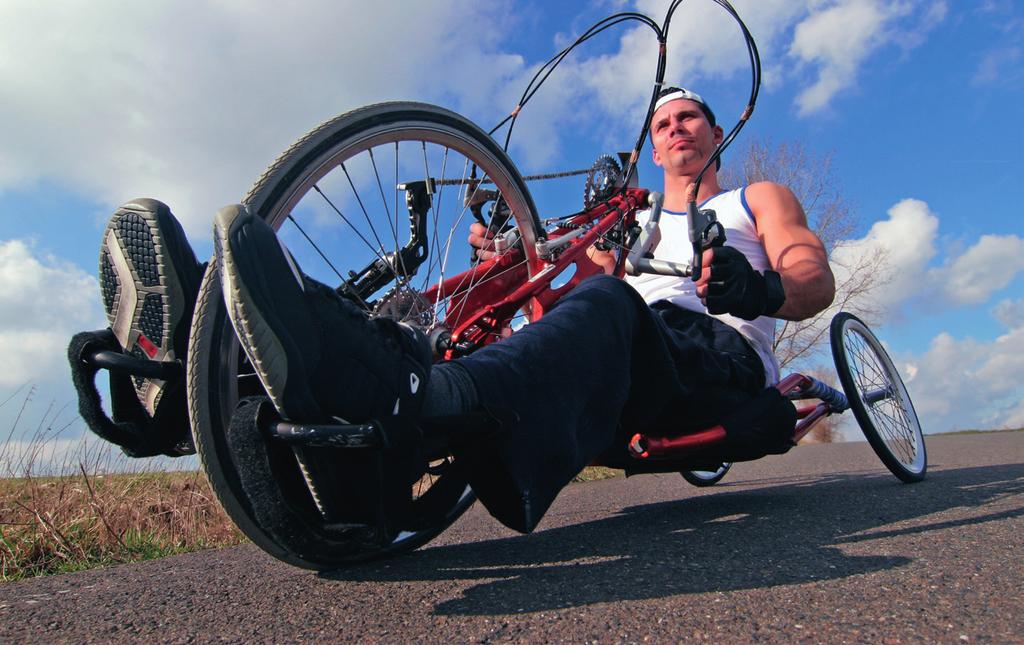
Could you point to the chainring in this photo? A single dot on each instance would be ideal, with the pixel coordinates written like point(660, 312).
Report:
point(406, 305)
point(603, 178)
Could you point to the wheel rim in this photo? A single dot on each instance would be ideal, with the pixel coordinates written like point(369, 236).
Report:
point(348, 186)
point(883, 396)
point(401, 154)
point(708, 475)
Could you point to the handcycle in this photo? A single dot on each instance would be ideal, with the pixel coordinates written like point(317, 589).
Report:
point(402, 182)
point(463, 308)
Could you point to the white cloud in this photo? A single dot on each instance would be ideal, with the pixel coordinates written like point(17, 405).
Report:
point(906, 243)
point(967, 383)
point(704, 43)
point(1014, 417)
point(838, 40)
point(1010, 313)
point(838, 37)
point(191, 103)
point(43, 300)
point(986, 267)
point(956, 383)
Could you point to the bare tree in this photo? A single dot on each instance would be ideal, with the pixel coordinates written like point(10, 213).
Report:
point(830, 216)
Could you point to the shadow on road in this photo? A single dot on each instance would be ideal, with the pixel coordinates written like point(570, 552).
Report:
point(781, 534)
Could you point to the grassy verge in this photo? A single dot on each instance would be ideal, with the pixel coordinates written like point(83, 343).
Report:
point(71, 522)
point(597, 473)
point(73, 504)
point(962, 432)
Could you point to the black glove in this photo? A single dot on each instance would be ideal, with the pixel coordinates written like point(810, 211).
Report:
point(736, 288)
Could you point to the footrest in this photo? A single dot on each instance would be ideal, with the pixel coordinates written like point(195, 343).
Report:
point(326, 436)
point(352, 489)
point(130, 425)
point(318, 435)
point(120, 362)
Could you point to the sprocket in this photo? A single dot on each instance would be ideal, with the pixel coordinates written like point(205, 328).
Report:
point(405, 305)
point(602, 179)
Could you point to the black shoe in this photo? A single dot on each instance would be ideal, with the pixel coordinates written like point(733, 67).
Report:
point(150, 280)
point(317, 354)
point(319, 357)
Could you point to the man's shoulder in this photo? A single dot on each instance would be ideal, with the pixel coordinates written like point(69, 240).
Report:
point(769, 199)
point(767, 190)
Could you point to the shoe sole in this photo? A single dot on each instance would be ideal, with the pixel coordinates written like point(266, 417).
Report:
point(144, 307)
point(263, 341)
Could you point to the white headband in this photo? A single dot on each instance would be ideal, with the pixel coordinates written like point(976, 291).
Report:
point(681, 94)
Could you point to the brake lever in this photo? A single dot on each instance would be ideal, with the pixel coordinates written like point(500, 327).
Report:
point(705, 232)
point(647, 239)
point(499, 222)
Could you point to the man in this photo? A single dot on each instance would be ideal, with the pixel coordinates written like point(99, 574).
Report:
point(608, 360)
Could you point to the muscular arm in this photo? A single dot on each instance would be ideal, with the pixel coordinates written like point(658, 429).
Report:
point(793, 250)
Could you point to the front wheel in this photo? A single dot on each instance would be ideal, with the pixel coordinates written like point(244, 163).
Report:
point(376, 202)
point(878, 398)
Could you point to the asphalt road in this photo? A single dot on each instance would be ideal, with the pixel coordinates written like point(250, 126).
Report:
point(819, 545)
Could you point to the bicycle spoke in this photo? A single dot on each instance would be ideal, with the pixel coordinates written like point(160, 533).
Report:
point(392, 224)
point(383, 199)
point(350, 225)
point(383, 255)
point(451, 232)
point(395, 184)
point(315, 247)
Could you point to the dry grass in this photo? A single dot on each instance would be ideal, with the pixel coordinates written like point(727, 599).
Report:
point(597, 473)
point(68, 505)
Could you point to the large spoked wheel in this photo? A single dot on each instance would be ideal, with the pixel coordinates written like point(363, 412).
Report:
point(344, 200)
point(705, 478)
point(878, 398)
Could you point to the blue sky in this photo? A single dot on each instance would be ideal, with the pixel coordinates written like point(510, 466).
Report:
point(918, 101)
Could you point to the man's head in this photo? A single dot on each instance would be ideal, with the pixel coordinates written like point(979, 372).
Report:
point(675, 93)
point(683, 124)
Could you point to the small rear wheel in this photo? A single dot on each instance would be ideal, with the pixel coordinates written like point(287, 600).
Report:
point(878, 398)
point(704, 478)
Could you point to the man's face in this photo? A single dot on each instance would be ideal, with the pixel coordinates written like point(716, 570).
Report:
point(682, 138)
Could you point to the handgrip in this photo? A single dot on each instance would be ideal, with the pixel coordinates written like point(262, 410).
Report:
point(705, 232)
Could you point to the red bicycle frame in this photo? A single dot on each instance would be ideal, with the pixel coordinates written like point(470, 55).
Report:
point(483, 299)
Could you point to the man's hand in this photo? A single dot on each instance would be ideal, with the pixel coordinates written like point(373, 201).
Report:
point(604, 259)
point(729, 285)
point(482, 240)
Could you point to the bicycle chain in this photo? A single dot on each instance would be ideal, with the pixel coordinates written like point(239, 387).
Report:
point(540, 177)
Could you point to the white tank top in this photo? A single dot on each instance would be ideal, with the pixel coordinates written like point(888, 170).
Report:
point(740, 233)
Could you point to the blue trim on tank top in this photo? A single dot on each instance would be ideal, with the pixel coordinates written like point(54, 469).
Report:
point(665, 210)
point(746, 206)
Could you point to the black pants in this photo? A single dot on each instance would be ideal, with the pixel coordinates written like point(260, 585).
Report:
point(598, 367)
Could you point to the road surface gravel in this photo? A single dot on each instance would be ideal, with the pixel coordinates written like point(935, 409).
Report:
point(821, 545)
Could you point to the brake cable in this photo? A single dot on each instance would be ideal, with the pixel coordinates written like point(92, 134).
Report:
point(545, 71)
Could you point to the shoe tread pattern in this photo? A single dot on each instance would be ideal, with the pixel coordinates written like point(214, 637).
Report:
point(138, 241)
point(136, 233)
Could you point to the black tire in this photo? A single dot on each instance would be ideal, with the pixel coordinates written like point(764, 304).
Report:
point(705, 478)
point(878, 398)
point(260, 483)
